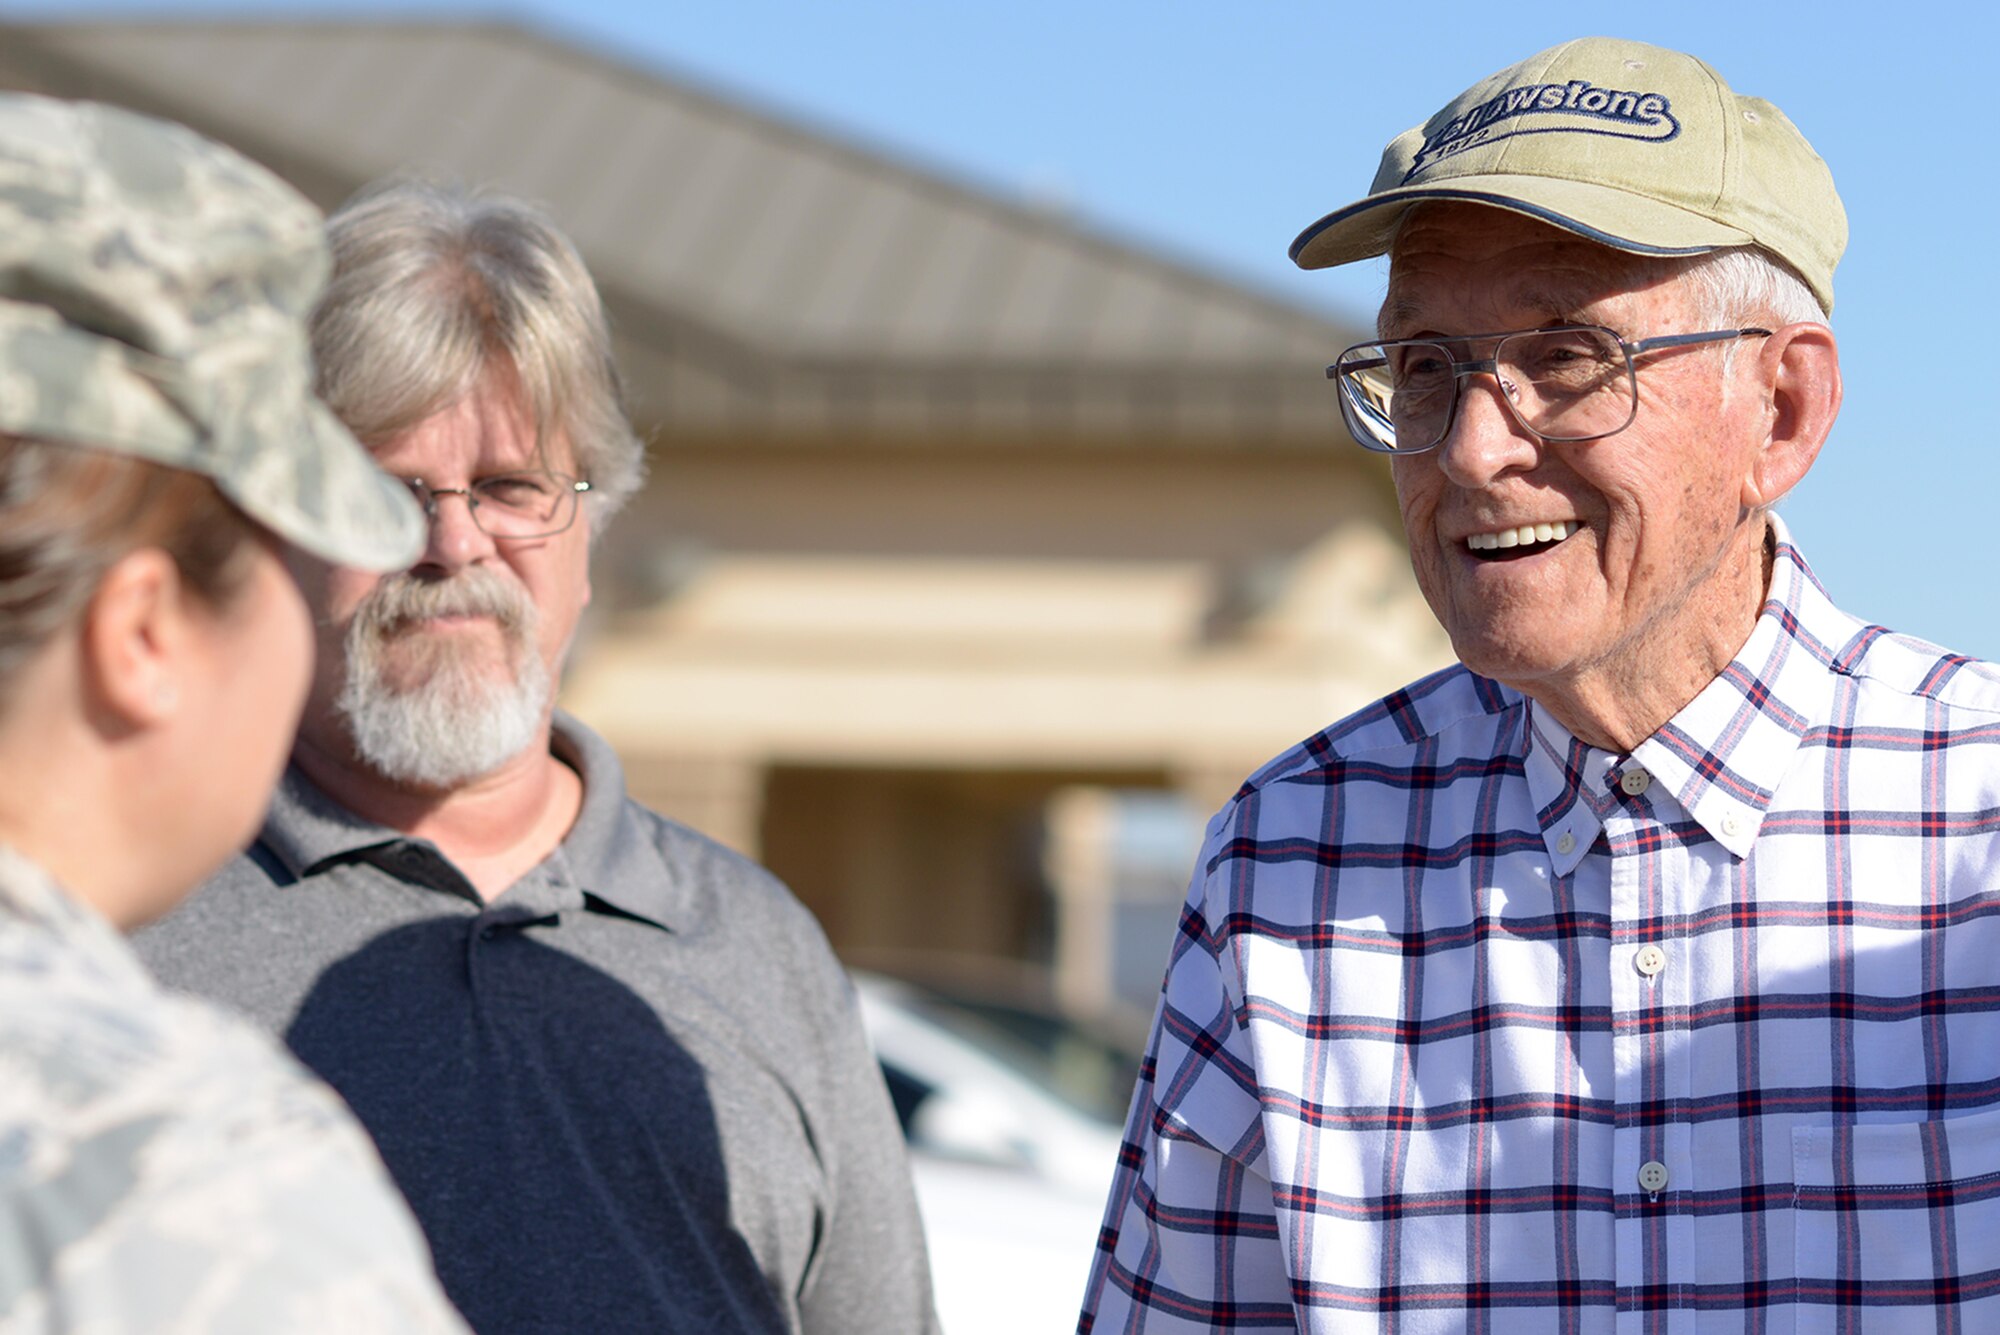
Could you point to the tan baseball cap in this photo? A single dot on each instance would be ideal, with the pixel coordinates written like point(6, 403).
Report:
point(1634, 146)
point(154, 288)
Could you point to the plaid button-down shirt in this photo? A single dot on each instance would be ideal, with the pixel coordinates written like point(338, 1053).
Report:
point(1471, 1027)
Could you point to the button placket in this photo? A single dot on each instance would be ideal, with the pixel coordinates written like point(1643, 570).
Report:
point(1649, 1047)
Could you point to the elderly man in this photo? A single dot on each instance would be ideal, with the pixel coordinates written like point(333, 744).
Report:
point(1642, 973)
point(614, 1067)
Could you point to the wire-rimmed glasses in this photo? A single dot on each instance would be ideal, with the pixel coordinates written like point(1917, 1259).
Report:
point(511, 505)
point(1567, 382)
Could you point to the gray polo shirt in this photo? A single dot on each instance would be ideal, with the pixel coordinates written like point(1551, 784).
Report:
point(631, 1093)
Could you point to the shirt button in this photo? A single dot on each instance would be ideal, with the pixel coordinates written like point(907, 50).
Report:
point(1732, 824)
point(1635, 781)
point(1650, 961)
point(1567, 843)
point(1653, 1177)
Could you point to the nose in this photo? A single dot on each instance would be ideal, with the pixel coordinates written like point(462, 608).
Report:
point(456, 540)
point(1486, 440)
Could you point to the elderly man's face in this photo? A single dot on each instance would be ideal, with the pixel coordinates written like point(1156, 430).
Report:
point(1653, 575)
point(445, 672)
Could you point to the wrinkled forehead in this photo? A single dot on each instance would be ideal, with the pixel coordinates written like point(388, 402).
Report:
point(1455, 262)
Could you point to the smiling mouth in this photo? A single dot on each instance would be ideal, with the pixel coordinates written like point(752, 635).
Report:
point(1509, 544)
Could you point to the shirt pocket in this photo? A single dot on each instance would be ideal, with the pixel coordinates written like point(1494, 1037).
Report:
point(1893, 1222)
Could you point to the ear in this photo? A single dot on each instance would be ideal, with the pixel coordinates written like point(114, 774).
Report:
point(135, 642)
point(1800, 372)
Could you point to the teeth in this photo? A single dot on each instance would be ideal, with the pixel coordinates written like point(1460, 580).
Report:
point(1524, 536)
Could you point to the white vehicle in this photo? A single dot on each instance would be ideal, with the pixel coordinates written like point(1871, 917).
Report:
point(1013, 1115)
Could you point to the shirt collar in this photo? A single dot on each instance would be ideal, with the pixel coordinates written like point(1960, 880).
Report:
point(609, 851)
point(611, 847)
point(305, 830)
point(1723, 755)
point(1566, 780)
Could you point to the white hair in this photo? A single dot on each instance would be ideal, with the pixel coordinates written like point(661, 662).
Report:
point(1746, 285)
point(433, 286)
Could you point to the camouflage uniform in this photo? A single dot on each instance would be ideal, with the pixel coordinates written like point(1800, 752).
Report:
point(164, 1168)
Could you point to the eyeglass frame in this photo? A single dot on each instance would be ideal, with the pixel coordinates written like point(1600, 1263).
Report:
point(568, 488)
point(1461, 369)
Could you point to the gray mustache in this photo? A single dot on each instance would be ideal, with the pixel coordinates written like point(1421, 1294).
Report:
point(400, 598)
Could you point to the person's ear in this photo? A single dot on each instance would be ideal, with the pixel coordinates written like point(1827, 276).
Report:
point(135, 640)
point(1799, 371)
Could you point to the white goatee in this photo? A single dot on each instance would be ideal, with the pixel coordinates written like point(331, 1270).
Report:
point(458, 721)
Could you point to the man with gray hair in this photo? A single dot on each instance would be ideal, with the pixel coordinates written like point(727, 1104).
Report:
point(1642, 972)
point(615, 1067)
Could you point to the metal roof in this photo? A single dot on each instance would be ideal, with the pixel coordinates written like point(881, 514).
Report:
point(765, 280)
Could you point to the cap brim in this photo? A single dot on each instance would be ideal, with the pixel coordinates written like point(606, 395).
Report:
point(330, 499)
point(1608, 216)
point(277, 452)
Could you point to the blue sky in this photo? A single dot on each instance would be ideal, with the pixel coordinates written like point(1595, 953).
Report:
point(1212, 132)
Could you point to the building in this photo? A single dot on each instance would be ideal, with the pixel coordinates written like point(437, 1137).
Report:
point(982, 556)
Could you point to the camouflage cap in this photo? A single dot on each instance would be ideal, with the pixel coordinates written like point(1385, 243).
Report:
point(154, 288)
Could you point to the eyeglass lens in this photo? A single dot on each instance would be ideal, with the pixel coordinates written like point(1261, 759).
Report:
point(513, 505)
point(1562, 384)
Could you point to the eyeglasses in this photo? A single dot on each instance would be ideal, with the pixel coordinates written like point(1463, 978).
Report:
point(510, 505)
point(1570, 382)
